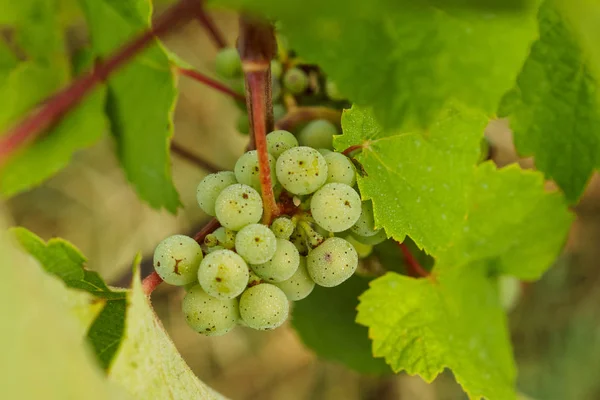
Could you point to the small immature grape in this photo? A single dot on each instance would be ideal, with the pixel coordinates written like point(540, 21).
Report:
point(254, 279)
point(176, 260)
point(276, 69)
point(282, 265)
point(211, 240)
point(243, 124)
point(256, 243)
point(379, 237)
point(225, 237)
point(283, 227)
point(280, 141)
point(295, 81)
point(237, 206)
point(210, 187)
point(247, 169)
point(278, 111)
point(333, 92)
point(301, 170)
point(332, 262)
point(208, 315)
point(363, 250)
point(340, 169)
point(223, 274)
point(228, 64)
point(264, 306)
point(318, 134)
point(300, 285)
point(365, 225)
point(335, 207)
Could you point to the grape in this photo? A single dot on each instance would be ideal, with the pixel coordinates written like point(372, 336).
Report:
point(210, 187)
point(299, 285)
point(324, 152)
point(365, 225)
point(237, 206)
point(211, 240)
point(254, 279)
point(379, 237)
point(278, 111)
point(295, 80)
point(333, 92)
point(276, 69)
point(335, 207)
point(243, 124)
point(280, 141)
point(363, 250)
point(318, 134)
point(228, 64)
point(176, 259)
point(264, 306)
point(283, 227)
point(332, 262)
point(509, 289)
point(214, 248)
point(223, 274)
point(282, 265)
point(247, 169)
point(256, 243)
point(301, 170)
point(208, 315)
point(225, 237)
point(340, 169)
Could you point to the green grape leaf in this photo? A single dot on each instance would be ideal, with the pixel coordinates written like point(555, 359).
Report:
point(555, 109)
point(406, 59)
point(453, 320)
point(148, 364)
point(42, 352)
point(106, 332)
point(325, 323)
point(417, 180)
point(141, 98)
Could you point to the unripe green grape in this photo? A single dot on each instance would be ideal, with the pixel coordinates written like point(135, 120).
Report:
point(335, 207)
point(208, 315)
point(210, 187)
point(237, 206)
point(301, 170)
point(225, 237)
point(279, 111)
point(324, 152)
point(332, 262)
point(340, 169)
point(223, 274)
point(276, 69)
point(176, 259)
point(300, 285)
point(243, 124)
point(211, 240)
point(264, 306)
point(298, 241)
point(318, 134)
point(282, 265)
point(247, 169)
point(363, 250)
point(509, 290)
point(215, 248)
point(283, 227)
point(379, 237)
point(332, 91)
point(256, 243)
point(254, 279)
point(295, 81)
point(228, 63)
point(365, 225)
point(280, 141)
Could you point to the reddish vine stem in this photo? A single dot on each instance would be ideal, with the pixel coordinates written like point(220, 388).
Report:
point(414, 267)
point(257, 46)
point(150, 283)
point(351, 149)
point(54, 107)
point(210, 227)
point(299, 115)
point(193, 158)
point(197, 76)
point(208, 23)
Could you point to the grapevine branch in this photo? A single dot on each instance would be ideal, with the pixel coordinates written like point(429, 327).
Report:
point(54, 107)
point(413, 265)
point(257, 46)
point(210, 227)
point(197, 76)
point(299, 115)
point(210, 27)
point(193, 158)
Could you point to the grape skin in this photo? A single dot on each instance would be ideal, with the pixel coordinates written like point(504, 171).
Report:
point(301, 170)
point(176, 260)
point(247, 169)
point(225, 237)
point(318, 134)
point(278, 111)
point(335, 207)
point(332, 262)
point(379, 237)
point(223, 274)
point(300, 285)
point(228, 63)
point(280, 141)
point(332, 91)
point(283, 227)
point(208, 315)
point(256, 243)
point(210, 187)
point(282, 265)
point(264, 306)
point(340, 169)
point(363, 250)
point(237, 206)
point(365, 225)
point(295, 80)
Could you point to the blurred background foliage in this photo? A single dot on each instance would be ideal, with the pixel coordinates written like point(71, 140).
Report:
point(555, 326)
